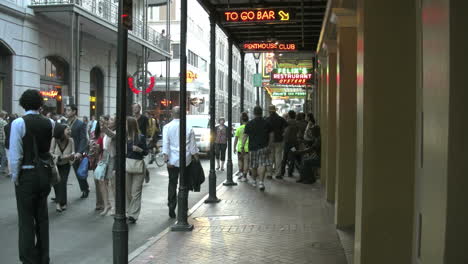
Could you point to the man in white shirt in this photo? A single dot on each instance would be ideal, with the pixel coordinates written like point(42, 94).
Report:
point(170, 149)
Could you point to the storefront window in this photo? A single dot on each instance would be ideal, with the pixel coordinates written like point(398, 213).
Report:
point(54, 83)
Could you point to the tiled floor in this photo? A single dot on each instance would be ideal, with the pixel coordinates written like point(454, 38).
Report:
point(288, 223)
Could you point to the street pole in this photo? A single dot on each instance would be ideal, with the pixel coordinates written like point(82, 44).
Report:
point(182, 208)
point(212, 198)
point(258, 88)
point(120, 227)
point(168, 60)
point(242, 91)
point(229, 181)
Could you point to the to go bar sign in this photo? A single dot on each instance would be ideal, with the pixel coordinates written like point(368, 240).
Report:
point(256, 15)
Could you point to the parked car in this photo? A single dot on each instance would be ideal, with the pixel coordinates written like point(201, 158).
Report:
point(201, 127)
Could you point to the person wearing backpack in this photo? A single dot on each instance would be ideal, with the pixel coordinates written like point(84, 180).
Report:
point(30, 140)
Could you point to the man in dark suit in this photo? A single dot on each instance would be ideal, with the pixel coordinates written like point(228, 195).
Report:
point(28, 133)
point(78, 133)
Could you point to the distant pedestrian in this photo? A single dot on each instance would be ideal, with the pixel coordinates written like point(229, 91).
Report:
point(136, 151)
point(78, 133)
point(3, 156)
point(278, 124)
point(62, 148)
point(30, 133)
point(143, 122)
point(7, 130)
point(260, 136)
point(171, 150)
point(242, 149)
point(290, 144)
point(221, 143)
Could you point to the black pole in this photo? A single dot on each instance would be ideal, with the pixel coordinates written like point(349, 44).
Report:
point(120, 228)
point(229, 181)
point(258, 88)
point(168, 59)
point(212, 198)
point(182, 223)
point(242, 91)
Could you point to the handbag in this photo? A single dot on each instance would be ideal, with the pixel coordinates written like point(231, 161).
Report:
point(82, 172)
point(101, 169)
point(134, 165)
point(46, 165)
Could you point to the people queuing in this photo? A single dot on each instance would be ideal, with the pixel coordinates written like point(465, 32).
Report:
point(278, 125)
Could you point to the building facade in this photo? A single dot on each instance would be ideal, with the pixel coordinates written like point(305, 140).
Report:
point(198, 63)
point(68, 50)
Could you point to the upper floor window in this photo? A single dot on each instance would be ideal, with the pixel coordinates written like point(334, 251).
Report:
point(192, 59)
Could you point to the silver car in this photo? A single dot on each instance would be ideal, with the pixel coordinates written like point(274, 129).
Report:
point(201, 127)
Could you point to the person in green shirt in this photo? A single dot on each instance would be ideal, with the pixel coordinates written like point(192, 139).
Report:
point(243, 156)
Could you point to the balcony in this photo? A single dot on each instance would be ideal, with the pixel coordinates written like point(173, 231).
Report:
point(103, 13)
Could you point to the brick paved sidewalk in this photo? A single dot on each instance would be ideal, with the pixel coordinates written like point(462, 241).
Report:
point(288, 223)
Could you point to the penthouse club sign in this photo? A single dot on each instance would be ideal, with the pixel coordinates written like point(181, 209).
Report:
point(268, 47)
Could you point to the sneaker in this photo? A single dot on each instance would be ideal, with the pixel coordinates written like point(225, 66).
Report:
point(243, 179)
point(261, 186)
point(253, 183)
point(238, 173)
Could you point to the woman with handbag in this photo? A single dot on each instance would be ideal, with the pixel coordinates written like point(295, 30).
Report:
point(135, 168)
point(62, 148)
point(101, 172)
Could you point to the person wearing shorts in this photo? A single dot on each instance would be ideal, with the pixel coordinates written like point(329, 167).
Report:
point(242, 150)
point(260, 135)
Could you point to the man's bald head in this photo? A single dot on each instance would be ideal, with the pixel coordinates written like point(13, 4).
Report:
point(176, 112)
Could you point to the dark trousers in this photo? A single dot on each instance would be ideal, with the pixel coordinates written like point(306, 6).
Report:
point(288, 159)
point(308, 169)
point(33, 220)
point(172, 190)
point(220, 151)
point(61, 187)
point(83, 183)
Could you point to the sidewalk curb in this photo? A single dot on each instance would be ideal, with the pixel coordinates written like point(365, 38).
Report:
point(152, 240)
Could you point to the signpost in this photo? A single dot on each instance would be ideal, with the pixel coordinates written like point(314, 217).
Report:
point(257, 80)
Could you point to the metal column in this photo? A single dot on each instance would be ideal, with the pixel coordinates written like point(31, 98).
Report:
point(242, 91)
point(120, 228)
point(212, 198)
point(182, 207)
point(257, 102)
point(168, 60)
point(229, 181)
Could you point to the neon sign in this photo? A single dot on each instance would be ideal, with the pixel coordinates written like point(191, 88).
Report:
point(265, 46)
point(292, 76)
point(288, 94)
point(191, 76)
point(50, 94)
point(138, 84)
point(256, 15)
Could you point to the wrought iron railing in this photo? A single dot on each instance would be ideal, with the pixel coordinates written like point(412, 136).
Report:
point(107, 10)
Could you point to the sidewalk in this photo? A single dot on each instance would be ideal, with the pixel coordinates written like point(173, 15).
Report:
point(288, 223)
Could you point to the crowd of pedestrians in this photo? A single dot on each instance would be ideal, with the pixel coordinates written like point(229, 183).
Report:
point(266, 147)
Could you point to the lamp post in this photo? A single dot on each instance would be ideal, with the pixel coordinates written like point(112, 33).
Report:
point(257, 60)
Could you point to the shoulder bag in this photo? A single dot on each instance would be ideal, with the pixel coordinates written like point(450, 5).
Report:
point(45, 165)
point(134, 165)
point(101, 169)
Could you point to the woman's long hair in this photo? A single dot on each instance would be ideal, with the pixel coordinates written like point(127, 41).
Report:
point(132, 128)
point(59, 131)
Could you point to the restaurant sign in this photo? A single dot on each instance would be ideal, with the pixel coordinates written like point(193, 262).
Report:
point(292, 76)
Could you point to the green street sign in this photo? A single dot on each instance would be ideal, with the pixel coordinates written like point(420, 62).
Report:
point(282, 94)
point(257, 80)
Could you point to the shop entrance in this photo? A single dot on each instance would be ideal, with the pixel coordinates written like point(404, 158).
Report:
point(96, 97)
point(54, 83)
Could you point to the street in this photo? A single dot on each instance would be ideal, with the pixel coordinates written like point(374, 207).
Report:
point(80, 234)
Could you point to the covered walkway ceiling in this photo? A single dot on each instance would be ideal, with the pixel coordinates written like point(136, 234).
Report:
point(302, 27)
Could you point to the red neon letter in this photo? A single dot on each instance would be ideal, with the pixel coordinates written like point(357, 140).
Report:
point(227, 15)
point(244, 16)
